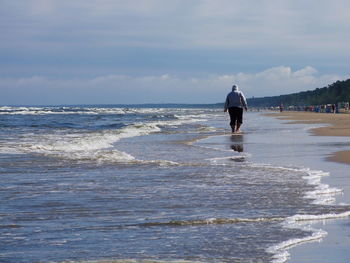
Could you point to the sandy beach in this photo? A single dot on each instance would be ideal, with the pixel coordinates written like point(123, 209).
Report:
point(335, 125)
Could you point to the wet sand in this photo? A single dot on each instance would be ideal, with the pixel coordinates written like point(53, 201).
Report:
point(335, 246)
point(335, 125)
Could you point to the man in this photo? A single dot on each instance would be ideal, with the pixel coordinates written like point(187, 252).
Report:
point(235, 102)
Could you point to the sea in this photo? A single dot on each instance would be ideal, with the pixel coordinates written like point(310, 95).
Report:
point(159, 183)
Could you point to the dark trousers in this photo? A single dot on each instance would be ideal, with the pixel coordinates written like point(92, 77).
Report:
point(236, 115)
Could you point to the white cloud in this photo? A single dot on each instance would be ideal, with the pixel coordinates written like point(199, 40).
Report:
point(163, 88)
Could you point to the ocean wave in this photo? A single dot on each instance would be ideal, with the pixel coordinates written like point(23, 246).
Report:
point(241, 157)
point(303, 218)
point(199, 222)
point(31, 110)
point(322, 194)
point(83, 145)
point(91, 146)
point(131, 261)
point(213, 221)
point(280, 250)
point(74, 110)
point(115, 156)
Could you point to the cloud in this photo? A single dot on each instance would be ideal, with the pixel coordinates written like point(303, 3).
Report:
point(115, 51)
point(156, 89)
point(180, 23)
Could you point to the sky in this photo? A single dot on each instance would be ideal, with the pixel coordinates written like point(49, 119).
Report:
point(55, 52)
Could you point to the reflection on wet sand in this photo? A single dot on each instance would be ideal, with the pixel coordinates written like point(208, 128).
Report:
point(237, 143)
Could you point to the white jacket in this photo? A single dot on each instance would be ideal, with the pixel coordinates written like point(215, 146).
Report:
point(235, 99)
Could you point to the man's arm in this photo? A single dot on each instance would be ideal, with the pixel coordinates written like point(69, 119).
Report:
point(226, 104)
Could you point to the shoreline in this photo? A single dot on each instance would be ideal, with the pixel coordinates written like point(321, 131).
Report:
point(334, 246)
point(336, 125)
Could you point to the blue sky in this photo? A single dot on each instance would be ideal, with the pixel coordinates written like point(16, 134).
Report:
point(179, 51)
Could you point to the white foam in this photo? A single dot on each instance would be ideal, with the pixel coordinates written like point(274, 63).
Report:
point(85, 145)
point(302, 218)
point(108, 156)
point(280, 251)
point(180, 113)
point(98, 146)
point(323, 193)
point(74, 110)
point(145, 110)
point(224, 160)
point(198, 117)
point(160, 162)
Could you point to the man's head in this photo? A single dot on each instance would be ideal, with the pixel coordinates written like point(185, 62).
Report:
point(234, 87)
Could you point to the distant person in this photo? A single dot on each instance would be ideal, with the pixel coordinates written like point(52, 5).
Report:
point(235, 102)
point(333, 108)
point(281, 107)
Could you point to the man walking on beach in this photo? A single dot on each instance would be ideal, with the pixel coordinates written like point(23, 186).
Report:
point(235, 102)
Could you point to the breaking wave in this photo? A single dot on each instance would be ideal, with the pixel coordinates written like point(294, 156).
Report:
point(30, 110)
point(98, 146)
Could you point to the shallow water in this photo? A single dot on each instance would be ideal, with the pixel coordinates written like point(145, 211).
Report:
point(167, 184)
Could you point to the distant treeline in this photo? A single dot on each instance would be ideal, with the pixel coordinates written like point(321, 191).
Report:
point(334, 93)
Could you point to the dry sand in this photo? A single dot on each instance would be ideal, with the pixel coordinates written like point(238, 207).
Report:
point(336, 125)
